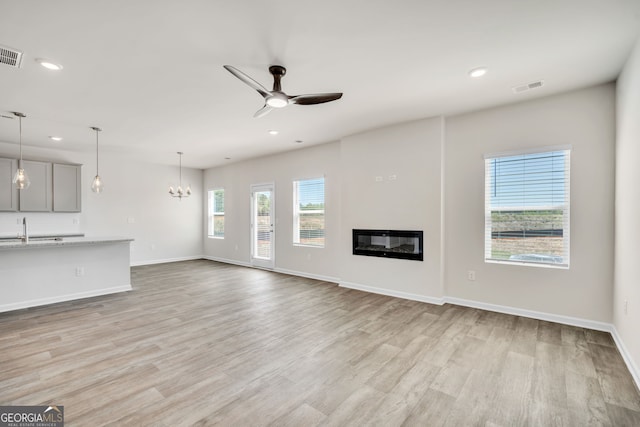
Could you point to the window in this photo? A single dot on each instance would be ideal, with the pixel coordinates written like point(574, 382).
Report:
point(527, 208)
point(308, 212)
point(216, 213)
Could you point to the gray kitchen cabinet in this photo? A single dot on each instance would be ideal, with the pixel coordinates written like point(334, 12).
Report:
point(8, 191)
point(66, 188)
point(37, 198)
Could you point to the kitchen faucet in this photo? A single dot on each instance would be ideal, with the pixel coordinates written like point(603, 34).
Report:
point(25, 233)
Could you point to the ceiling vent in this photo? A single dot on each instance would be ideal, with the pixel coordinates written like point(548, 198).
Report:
point(11, 57)
point(528, 86)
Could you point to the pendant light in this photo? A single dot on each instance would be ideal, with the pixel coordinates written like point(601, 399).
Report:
point(179, 192)
point(21, 179)
point(96, 185)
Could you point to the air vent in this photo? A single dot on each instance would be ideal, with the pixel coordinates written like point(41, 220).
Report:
point(11, 57)
point(528, 86)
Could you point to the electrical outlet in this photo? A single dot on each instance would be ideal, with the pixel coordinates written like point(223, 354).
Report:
point(76, 221)
point(153, 247)
point(79, 271)
point(626, 306)
point(471, 275)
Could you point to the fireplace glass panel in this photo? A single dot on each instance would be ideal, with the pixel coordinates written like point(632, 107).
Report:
point(403, 244)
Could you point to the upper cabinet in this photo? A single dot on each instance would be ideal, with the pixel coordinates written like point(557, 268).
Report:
point(54, 187)
point(66, 188)
point(8, 191)
point(37, 198)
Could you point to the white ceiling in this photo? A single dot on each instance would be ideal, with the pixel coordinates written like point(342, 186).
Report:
point(149, 72)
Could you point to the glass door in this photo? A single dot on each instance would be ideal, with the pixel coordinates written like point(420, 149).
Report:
point(262, 226)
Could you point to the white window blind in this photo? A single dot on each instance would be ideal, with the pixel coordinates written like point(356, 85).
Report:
point(527, 208)
point(216, 213)
point(308, 212)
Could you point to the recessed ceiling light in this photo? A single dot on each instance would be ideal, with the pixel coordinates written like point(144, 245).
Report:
point(56, 138)
point(273, 132)
point(478, 72)
point(46, 63)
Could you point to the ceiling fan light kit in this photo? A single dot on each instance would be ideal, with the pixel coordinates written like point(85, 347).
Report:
point(276, 98)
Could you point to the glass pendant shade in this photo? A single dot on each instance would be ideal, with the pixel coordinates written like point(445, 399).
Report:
point(21, 179)
point(97, 186)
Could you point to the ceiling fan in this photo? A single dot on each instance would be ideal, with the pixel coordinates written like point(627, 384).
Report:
point(276, 98)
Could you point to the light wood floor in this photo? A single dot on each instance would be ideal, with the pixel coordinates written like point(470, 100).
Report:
point(203, 343)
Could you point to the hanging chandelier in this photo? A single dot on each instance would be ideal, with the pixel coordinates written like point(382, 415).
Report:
point(97, 186)
point(20, 179)
point(179, 192)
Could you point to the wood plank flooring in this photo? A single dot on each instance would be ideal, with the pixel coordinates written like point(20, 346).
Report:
point(204, 343)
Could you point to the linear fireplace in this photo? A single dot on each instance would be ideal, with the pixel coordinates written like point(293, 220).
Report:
point(403, 244)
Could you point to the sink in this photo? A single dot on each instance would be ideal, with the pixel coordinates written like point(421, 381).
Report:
point(43, 239)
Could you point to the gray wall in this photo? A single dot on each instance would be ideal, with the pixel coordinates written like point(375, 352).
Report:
point(426, 156)
point(410, 153)
point(585, 120)
point(627, 249)
point(164, 228)
point(282, 170)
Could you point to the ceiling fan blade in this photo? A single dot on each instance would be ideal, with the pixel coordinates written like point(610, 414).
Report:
point(317, 98)
point(263, 111)
point(248, 80)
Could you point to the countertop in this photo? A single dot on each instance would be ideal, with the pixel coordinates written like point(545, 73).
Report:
point(15, 236)
point(60, 241)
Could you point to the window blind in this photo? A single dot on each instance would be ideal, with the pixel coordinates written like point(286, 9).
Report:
point(308, 212)
point(527, 208)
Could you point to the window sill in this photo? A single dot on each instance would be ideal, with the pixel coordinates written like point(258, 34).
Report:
point(528, 264)
point(216, 237)
point(302, 245)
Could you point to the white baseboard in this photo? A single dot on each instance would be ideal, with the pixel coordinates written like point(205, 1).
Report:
point(164, 261)
point(64, 298)
point(276, 270)
point(391, 293)
point(631, 365)
point(227, 261)
point(308, 275)
point(539, 315)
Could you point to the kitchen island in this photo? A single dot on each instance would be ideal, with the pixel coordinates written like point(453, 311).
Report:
point(49, 270)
